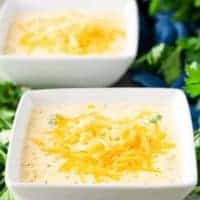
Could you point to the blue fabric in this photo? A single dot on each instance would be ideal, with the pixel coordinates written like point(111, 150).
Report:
point(179, 82)
point(147, 79)
point(163, 15)
point(166, 30)
point(195, 113)
point(181, 30)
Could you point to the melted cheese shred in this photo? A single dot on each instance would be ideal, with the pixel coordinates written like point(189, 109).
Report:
point(73, 33)
point(95, 144)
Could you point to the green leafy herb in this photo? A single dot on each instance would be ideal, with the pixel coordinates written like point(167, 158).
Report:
point(197, 146)
point(163, 60)
point(185, 10)
point(154, 6)
point(6, 118)
point(191, 44)
point(192, 81)
point(9, 94)
point(9, 98)
point(152, 60)
point(155, 119)
point(191, 48)
point(7, 195)
point(4, 193)
point(197, 190)
point(171, 66)
point(198, 108)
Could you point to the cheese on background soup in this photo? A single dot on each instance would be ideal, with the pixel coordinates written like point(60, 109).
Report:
point(67, 33)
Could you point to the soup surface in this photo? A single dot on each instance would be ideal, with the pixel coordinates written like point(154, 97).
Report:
point(100, 144)
point(68, 33)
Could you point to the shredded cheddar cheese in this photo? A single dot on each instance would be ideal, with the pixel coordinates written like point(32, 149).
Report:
point(95, 144)
point(72, 33)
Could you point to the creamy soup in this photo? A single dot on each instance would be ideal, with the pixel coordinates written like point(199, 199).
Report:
point(67, 33)
point(100, 144)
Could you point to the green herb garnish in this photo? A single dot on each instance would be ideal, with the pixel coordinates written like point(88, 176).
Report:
point(155, 119)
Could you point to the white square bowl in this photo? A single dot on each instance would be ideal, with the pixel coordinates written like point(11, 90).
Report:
point(67, 71)
point(174, 99)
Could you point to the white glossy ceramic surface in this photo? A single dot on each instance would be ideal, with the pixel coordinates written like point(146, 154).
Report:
point(174, 99)
point(67, 71)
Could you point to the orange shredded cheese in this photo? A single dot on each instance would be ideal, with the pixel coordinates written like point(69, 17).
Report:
point(95, 144)
point(72, 33)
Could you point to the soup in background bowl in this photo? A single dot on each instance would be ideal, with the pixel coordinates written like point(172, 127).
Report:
point(80, 32)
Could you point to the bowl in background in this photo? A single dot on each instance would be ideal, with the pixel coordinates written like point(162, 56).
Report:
point(67, 71)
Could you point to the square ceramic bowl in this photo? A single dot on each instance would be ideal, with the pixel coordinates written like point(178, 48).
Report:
point(67, 71)
point(173, 99)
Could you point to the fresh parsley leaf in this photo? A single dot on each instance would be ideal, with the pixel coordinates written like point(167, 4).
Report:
point(171, 66)
point(197, 143)
point(184, 10)
point(197, 3)
point(191, 48)
point(196, 190)
point(154, 6)
point(192, 56)
point(191, 44)
point(198, 108)
point(9, 94)
point(4, 193)
point(9, 97)
point(163, 60)
point(6, 118)
point(192, 82)
point(7, 195)
point(153, 59)
point(197, 146)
